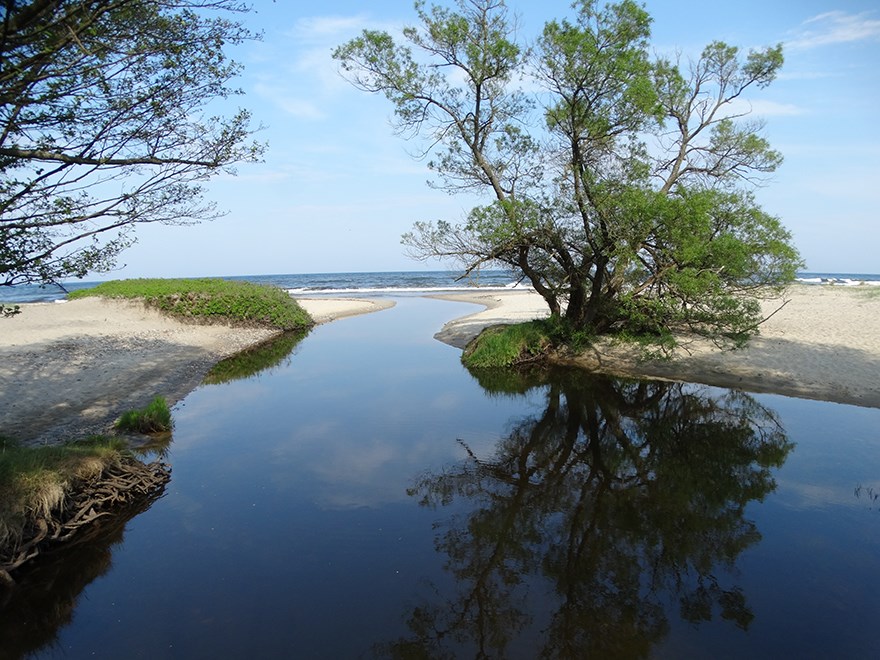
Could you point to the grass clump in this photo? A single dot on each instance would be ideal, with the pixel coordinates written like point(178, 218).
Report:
point(210, 299)
point(34, 481)
point(508, 345)
point(524, 343)
point(155, 418)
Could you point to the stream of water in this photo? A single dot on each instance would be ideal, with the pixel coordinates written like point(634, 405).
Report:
point(367, 496)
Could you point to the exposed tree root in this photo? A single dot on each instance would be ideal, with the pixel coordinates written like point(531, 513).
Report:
point(120, 485)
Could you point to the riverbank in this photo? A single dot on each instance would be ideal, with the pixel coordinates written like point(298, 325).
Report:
point(823, 343)
point(70, 368)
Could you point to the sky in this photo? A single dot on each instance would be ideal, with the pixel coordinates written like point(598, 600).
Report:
point(337, 187)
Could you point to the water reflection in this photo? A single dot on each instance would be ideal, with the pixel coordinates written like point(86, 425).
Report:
point(272, 354)
point(617, 505)
point(44, 598)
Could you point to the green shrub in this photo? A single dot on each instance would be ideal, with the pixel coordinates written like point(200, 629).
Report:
point(216, 300)
point(155, 418)
point(524, 343)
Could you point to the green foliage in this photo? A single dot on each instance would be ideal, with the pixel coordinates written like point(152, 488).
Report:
point(155, 418)
point(502, 346)
point(523, 343)
point(628, 207)
point(105, 123)
point(210, 300)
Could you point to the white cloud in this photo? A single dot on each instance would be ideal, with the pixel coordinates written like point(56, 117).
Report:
point(296, 107)
point(774, 109)
point(324, 28)
point(835, 27)
point(761, 108)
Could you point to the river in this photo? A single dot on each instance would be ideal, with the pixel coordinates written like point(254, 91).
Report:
point(367, 496)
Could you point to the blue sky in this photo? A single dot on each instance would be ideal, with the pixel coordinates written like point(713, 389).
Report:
point(338, 188)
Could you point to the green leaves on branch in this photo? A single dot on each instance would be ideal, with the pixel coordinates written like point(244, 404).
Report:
point(628, 205)
point(104, 125)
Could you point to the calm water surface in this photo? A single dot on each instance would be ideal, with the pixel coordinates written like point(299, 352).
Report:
point(368, 497)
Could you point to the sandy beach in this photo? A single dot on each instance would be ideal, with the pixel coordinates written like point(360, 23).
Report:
point(824, 343)
point(71, 368)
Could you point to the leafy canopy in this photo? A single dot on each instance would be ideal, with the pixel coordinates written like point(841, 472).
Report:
point(621, 184)
point(105, 124)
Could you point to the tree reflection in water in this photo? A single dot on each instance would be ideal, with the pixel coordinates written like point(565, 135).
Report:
point(621, 499)
point(44, 599)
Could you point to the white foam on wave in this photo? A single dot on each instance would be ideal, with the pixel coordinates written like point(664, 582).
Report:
point(837, 281)
point(372, 290)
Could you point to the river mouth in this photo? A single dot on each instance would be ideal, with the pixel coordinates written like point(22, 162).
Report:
point(366, 496)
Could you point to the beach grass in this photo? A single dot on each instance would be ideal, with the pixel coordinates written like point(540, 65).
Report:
point(524, 343)
point(155, 418)
point(210, 300)
point(508, 345)
point(34, 481)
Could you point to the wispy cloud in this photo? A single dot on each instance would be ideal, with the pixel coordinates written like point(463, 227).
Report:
point(330, 29)
point(775, 109)
point(762, 109)
point(324, 28)
point(835, 27)
point(282, 98)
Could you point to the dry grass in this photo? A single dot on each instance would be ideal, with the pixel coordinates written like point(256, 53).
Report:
point(35, 481)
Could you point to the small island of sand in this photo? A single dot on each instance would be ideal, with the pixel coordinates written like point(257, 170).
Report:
point(818, 342)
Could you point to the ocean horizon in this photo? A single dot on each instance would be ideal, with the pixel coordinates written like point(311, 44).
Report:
point(381, 283)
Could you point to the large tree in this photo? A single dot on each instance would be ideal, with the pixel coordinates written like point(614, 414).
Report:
point(105, 123)
point(629, 204)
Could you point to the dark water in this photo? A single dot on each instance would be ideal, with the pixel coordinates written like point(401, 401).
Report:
point(368, 497)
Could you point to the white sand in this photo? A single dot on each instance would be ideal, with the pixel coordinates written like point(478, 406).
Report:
point(70, 369)
point(323, 310)
point(823, 344)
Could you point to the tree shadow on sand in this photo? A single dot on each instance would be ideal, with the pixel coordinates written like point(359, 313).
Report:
point(595, 520)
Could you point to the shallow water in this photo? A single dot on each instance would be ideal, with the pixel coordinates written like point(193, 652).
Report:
point(368, 497)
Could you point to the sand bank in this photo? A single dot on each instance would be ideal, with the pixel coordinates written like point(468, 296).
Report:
point(70, 369)
point(823, 344)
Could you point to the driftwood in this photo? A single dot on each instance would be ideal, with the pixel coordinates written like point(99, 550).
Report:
point(119, 486)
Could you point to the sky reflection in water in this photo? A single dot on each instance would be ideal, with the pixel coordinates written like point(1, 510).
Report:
point(368, 497)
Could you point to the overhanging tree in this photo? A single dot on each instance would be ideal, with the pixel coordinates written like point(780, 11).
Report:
point(629, 207)
point(105, 124)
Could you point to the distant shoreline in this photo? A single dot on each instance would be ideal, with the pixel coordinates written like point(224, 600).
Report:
point(381, 284)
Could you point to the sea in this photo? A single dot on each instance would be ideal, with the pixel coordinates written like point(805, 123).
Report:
point(395, 283)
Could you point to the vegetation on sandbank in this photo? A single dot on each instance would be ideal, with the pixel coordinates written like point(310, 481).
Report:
point(210, 300)
point(47, 493)
point(154, 418)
